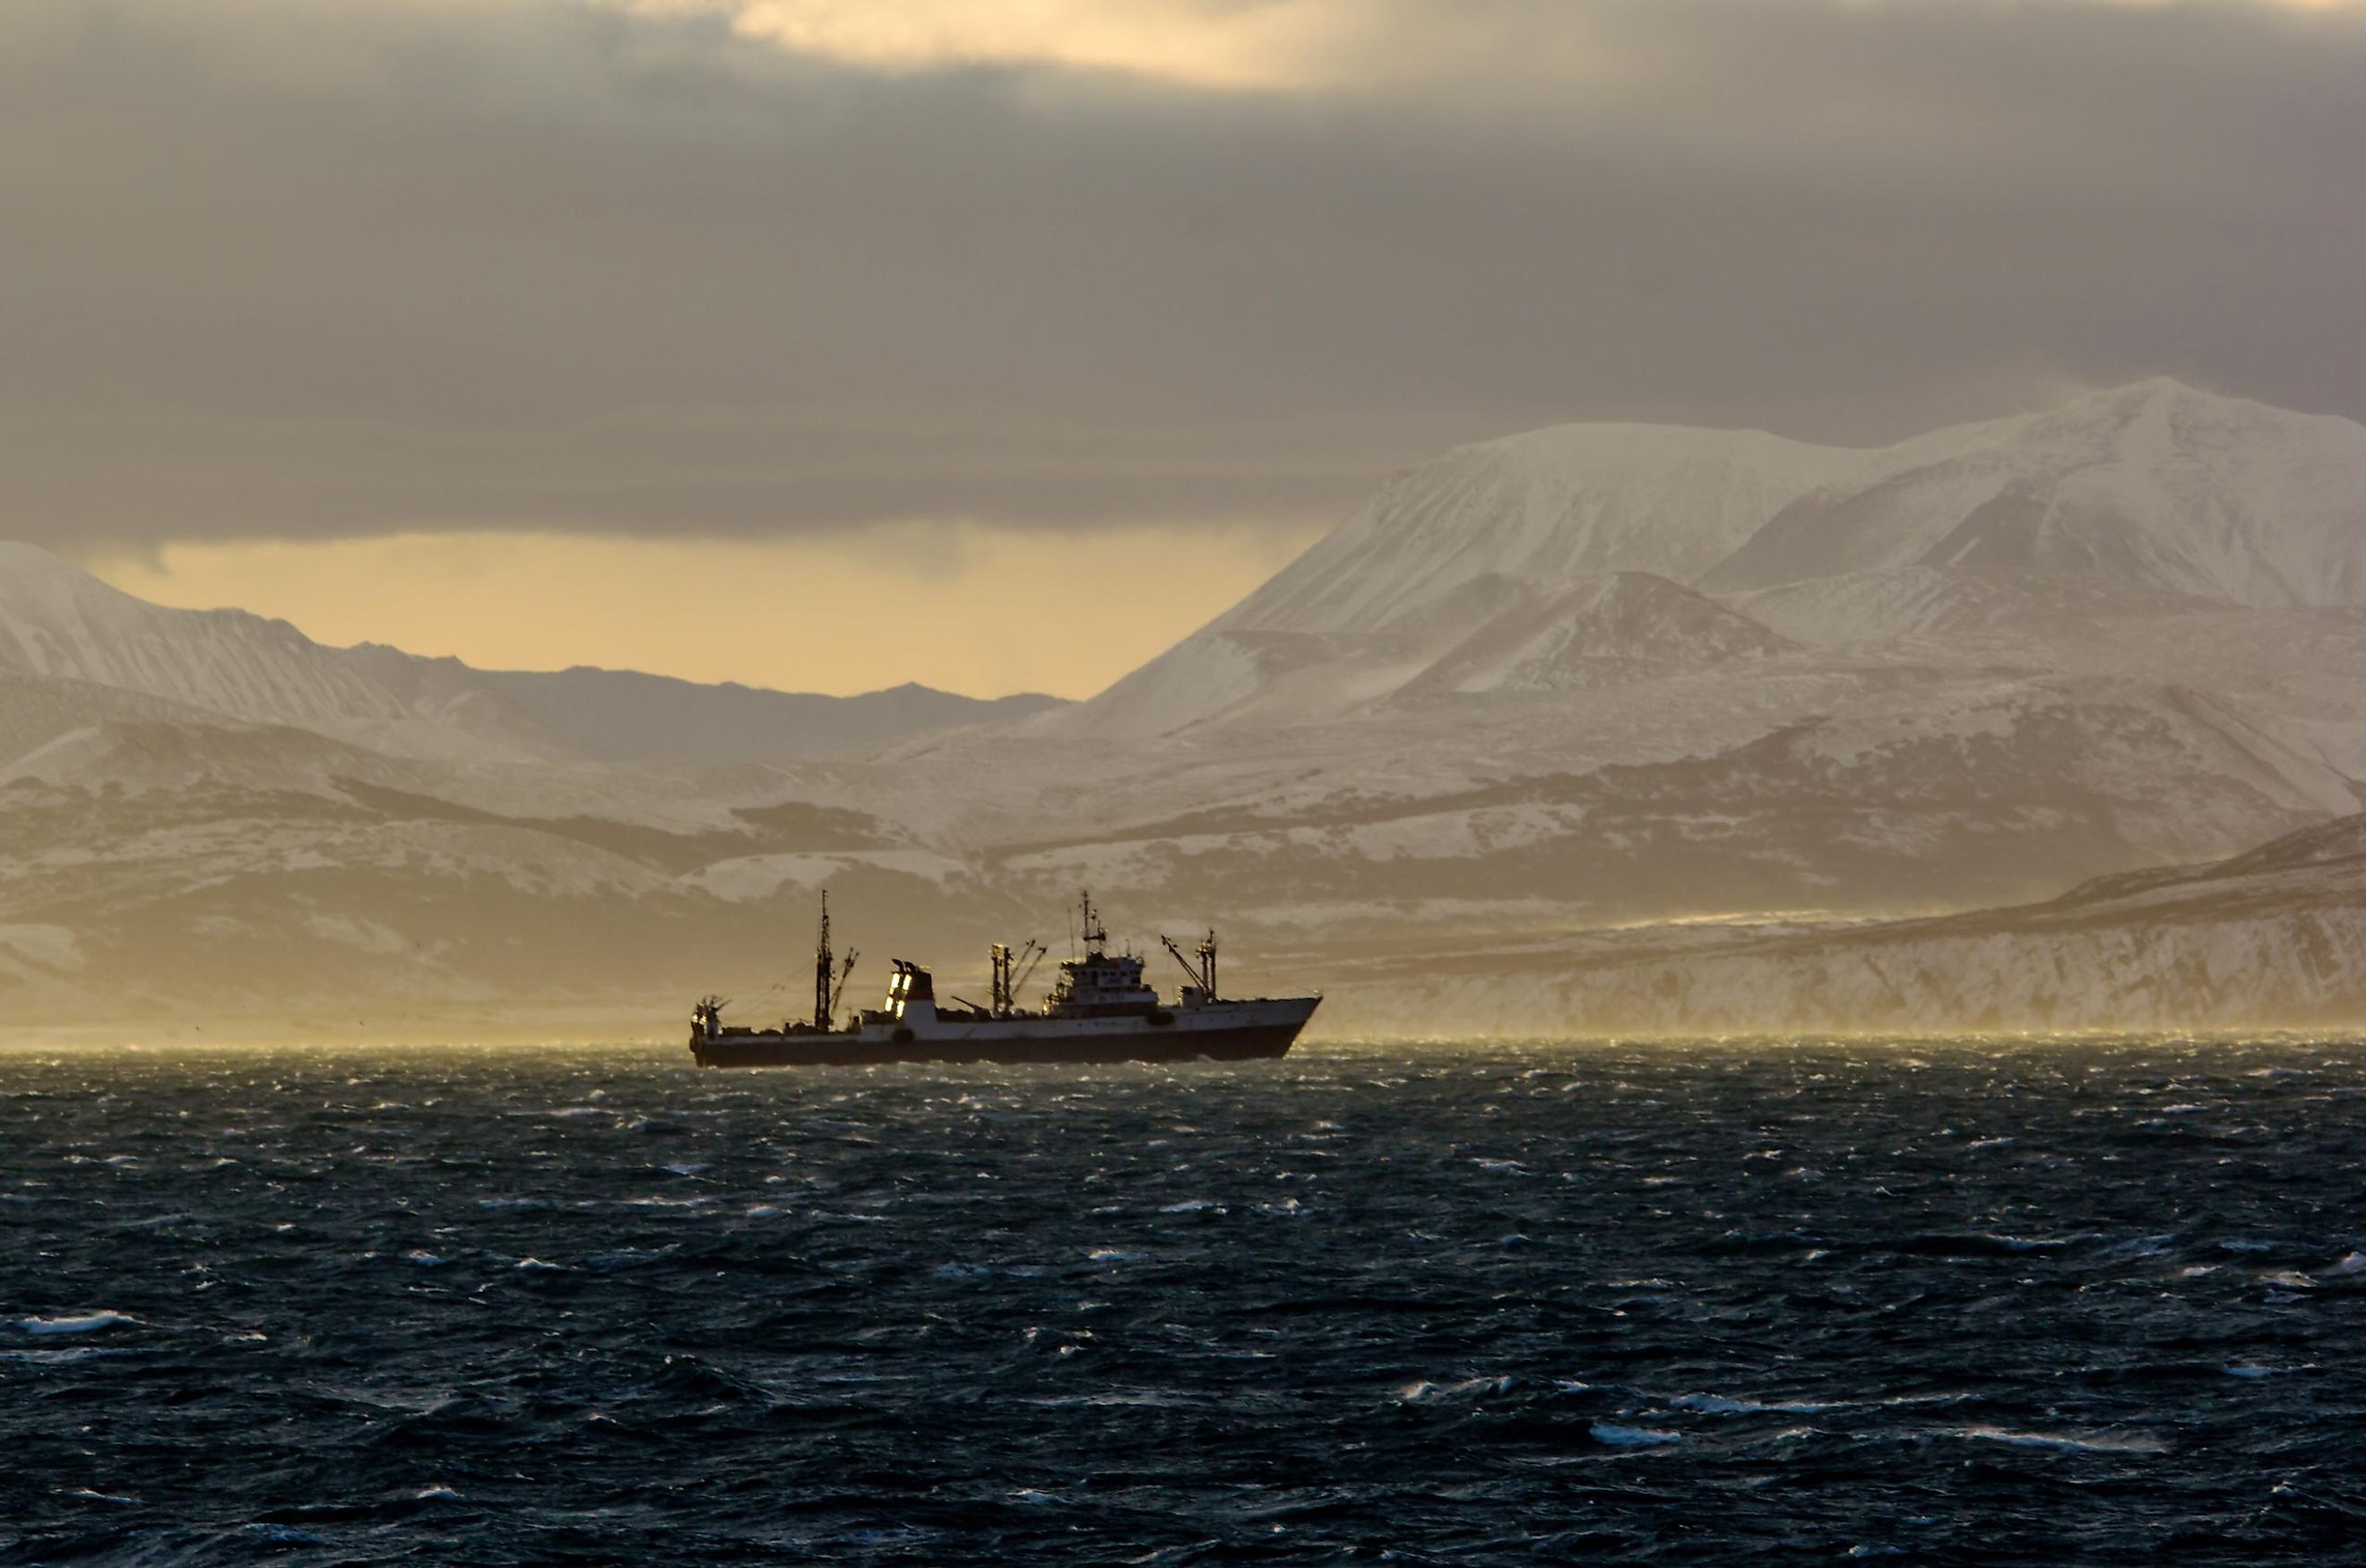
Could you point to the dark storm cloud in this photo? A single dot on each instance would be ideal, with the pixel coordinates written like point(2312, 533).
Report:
point(284, 268)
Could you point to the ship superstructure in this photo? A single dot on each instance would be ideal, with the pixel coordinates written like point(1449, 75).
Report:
point(1101, 1009)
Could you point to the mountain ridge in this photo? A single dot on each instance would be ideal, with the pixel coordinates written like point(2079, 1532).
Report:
point(60, 621)
point(2148, 492)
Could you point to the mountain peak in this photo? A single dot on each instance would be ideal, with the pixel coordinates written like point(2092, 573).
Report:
point(25, 567)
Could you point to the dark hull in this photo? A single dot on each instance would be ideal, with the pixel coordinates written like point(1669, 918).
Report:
point(1248, 1043)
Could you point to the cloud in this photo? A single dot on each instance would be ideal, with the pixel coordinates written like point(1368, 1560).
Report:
point(294, 267)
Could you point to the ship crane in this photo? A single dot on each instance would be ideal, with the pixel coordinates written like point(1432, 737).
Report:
point(1008, 977)
point(845, 967)
point(1204, 972)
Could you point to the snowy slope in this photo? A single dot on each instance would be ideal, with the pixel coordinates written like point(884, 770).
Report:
point(1627, 626)
point(2153, 486)
point(2267, 939)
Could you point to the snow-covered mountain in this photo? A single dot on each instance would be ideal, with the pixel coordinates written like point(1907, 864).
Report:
point(2149, 496)
point(59, 621)
point(1533, 698)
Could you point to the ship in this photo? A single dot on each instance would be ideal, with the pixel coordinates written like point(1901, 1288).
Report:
point(1099, 1010)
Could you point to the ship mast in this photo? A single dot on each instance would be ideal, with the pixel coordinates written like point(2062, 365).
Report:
point(823, 966)
point(830, 979)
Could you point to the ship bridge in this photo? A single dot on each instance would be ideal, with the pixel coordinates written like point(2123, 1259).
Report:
point(1101, 983)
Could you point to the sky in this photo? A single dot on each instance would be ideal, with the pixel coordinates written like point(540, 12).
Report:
point(996, 343)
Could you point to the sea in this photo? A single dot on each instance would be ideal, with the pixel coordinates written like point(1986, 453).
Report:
point(1750, 1302)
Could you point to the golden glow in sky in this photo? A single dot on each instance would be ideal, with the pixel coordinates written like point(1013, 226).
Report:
point(964, 608)
point(1273, 43)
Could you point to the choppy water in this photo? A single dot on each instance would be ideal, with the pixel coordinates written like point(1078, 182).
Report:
point(1790, 1304)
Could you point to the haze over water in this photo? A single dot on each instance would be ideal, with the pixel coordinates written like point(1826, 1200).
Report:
point(1943, 1303)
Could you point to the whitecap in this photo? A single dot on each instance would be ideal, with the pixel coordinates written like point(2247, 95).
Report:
point(764, 1211)
point(89, 1495)
point(2351, 1263)
point(424, 1259)
point(1190, 1206)
point(2290, 1278)
point(1113, 1255)
point(1988, 1143)
point(87, 1323)
point(688, 1167)
point(1721, 1404)
point(538, 1266)
point(1425, 1393)
point(578, 1112)
point(2099, 1443)
point(437, 1494)
point(1618, 1436)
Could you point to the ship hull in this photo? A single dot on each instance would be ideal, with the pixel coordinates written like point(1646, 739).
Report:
point(1266, 1031)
